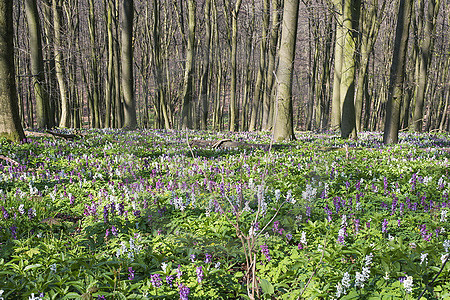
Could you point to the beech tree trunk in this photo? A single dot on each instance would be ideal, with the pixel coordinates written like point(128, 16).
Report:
point(395, 93)
point(284, 115)
point(10, 126)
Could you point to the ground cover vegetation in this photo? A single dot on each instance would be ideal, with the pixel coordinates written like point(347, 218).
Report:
point(143, 215)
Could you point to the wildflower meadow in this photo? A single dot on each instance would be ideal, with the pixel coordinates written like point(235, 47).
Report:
point(147, 215)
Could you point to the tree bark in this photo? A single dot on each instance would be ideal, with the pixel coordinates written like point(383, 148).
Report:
point(10, 126)
point(43, 116)
point(392, 122)
point(59, 66)
point(188, 88)
point(283, 125)
point(130, 120)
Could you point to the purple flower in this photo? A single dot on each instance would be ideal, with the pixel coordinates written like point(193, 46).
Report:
point(275, 226)
point(13, 232)
point(199, 271)
point(105, 214)
point(114, 230)
point(192, 256)
point(156, 280)
point(5, 213)
point(101, 297)
point(384, 226)
point(169, 280)
point(300, 246)
point(265, 251)
point(288, 236)
point(31, 213)
point(207, 258)
point(107, 233)
point(184, 291)
point(137, 213)
point(130, 273)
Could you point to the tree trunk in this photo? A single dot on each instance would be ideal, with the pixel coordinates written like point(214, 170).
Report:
point(283, 127)
point(43, 115)
point(188, 88)
point(59, 66)
point(395, 93)
point(95, 113)
point(205, 70)
point(338, 52)
point(351, 11)
point(425, 55)
point(109, 86)
point(10, 126)
point(130, 120)
point(233, 79)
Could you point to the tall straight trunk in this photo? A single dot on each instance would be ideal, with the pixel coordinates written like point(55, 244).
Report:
point(392, 121)
point(205, 70)
point(426, 50)
point(10, 126)
point(95, 113)
point(371, 22)
point(109, 86)
point(338, 52)
point(284, 115)
point(43, 115)
point(351, 11)
point(118, 105)
point(129, 101)
point(188, 88)
point(59, 66)
point(233, 79)
point(267, 120)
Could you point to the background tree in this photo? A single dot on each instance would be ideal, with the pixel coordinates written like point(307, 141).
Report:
point(130, 121)
point(10, 126)
point(44, 117)
point(283, 124)
point(397, 73)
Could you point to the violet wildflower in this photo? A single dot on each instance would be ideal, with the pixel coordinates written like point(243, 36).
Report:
point(207, 258)
point(192, 257)
point(288, 236)
point(156, 280)
point(184, 291)
point(169, 280)
point(384, 226)
point(31, 213)
point(356, 226)
point(13, 232)
point(137, 213)
point(265, 251)
point(114, 231)
point(200, 275)
point(101, 297)
point(107, 233)
point(105, 214)
point(130, 273)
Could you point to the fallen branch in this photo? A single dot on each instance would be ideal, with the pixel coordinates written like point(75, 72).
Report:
point(217, 144)
point(63, 135)
point(10, 160)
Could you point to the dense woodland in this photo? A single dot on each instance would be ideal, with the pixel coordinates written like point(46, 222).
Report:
point(218, 64)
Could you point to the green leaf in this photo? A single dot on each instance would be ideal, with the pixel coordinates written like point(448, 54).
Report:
point(30, 267)
point(266, 286)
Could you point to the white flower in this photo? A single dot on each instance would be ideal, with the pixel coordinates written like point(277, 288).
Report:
point(366, 273)
point(345, 280)
point(408, 283)
point(217, 265)
point(446, 245)
point(277, 194)
point(444, 215)
point(303, 239)
point(359, 280)
point(1, 293)
point(444, 257)
point(386, 276)
point(423, 258)
point(368, 260)
point(164, 267)
point(339, 290)
point(53, 268)
point(32, 297)
point(21, 209)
